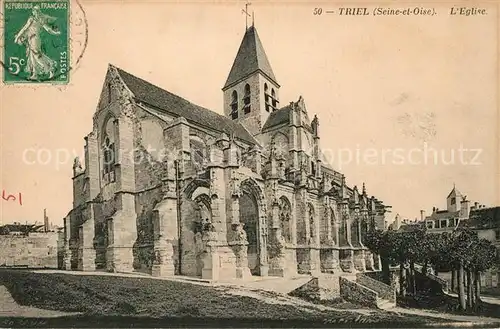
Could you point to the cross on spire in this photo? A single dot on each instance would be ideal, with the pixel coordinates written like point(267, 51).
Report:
point(247, 14)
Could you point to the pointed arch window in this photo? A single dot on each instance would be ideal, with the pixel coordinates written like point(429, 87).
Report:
point(109, 160)
point(312, 224)
point(234, 105)
point(267, 97)
point(285, 217)
point(274, 101)
point(246, 99)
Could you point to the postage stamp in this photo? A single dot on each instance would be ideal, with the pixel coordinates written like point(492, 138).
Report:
point(36, 41)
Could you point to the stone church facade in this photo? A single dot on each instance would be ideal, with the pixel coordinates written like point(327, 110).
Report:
point(170, 188)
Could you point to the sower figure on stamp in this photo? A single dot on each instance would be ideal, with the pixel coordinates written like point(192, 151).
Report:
point(37, 64)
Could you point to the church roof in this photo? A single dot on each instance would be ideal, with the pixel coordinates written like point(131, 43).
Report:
point(278, 117)
point(250, 58)
point(177, 106)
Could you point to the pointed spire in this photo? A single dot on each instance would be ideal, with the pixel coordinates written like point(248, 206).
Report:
point(355, 195)
point(364, 189)
point(454, 192)
point(251, 58)
point(343, 193)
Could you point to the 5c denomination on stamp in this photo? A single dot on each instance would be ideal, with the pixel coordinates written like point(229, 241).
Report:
point(36, 41)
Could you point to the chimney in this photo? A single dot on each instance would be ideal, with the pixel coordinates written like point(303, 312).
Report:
point(476, 205)
point(422, 215)
point(45, 221)
point(433, 210)
point(464, 208)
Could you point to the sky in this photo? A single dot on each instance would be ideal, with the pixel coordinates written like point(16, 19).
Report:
point(386, 90)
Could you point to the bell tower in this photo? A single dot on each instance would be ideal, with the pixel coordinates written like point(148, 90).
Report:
point(251, 91)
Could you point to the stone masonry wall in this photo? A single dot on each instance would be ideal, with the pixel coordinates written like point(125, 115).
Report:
point(145, 203)
point(384, 291)
point(35, 250)
point(356, 293)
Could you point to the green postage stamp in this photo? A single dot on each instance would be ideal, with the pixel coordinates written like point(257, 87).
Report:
point(36, 41)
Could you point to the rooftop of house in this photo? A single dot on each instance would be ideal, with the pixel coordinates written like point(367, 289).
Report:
point(483, 218)
point(443, 214)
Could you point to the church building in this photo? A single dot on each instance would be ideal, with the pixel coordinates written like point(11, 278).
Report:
point(168, 187)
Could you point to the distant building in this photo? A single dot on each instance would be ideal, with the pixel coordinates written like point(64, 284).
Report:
point(20, 229)
point(486, 222)
point(406, 224)
point(29, 245)
point(459, 214)
point(457, 209)
point(27, 228)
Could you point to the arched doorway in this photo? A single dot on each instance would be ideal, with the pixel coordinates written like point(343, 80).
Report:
point(195, 213)
point(249, 217)
point(253, 217)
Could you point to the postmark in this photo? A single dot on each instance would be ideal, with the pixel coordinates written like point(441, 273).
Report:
point(36, 41)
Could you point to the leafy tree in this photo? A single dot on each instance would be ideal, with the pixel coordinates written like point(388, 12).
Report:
point(378, 243)
point(460, 250)
point(483, 257)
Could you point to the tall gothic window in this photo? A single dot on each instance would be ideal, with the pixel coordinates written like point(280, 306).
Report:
point(109, 156)
point(312, 223)
point(334, 225)
point(267, 98)
point(324, 226)
point(285, 218)
point(246, 99)
point(234, 105)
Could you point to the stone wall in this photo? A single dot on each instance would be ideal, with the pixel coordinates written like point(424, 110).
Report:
point(309, 291)
point(329, 286)
point(356, 293)
point(36, 250)
point(384, 291)
point(426, 284)
point(145, 203)
point(443, 283)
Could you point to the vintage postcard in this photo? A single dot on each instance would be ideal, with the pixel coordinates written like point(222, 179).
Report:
point(249, 164)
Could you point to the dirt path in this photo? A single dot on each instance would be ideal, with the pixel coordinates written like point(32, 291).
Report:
point(487, 299)
point(9, 308)
point(448, 316)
